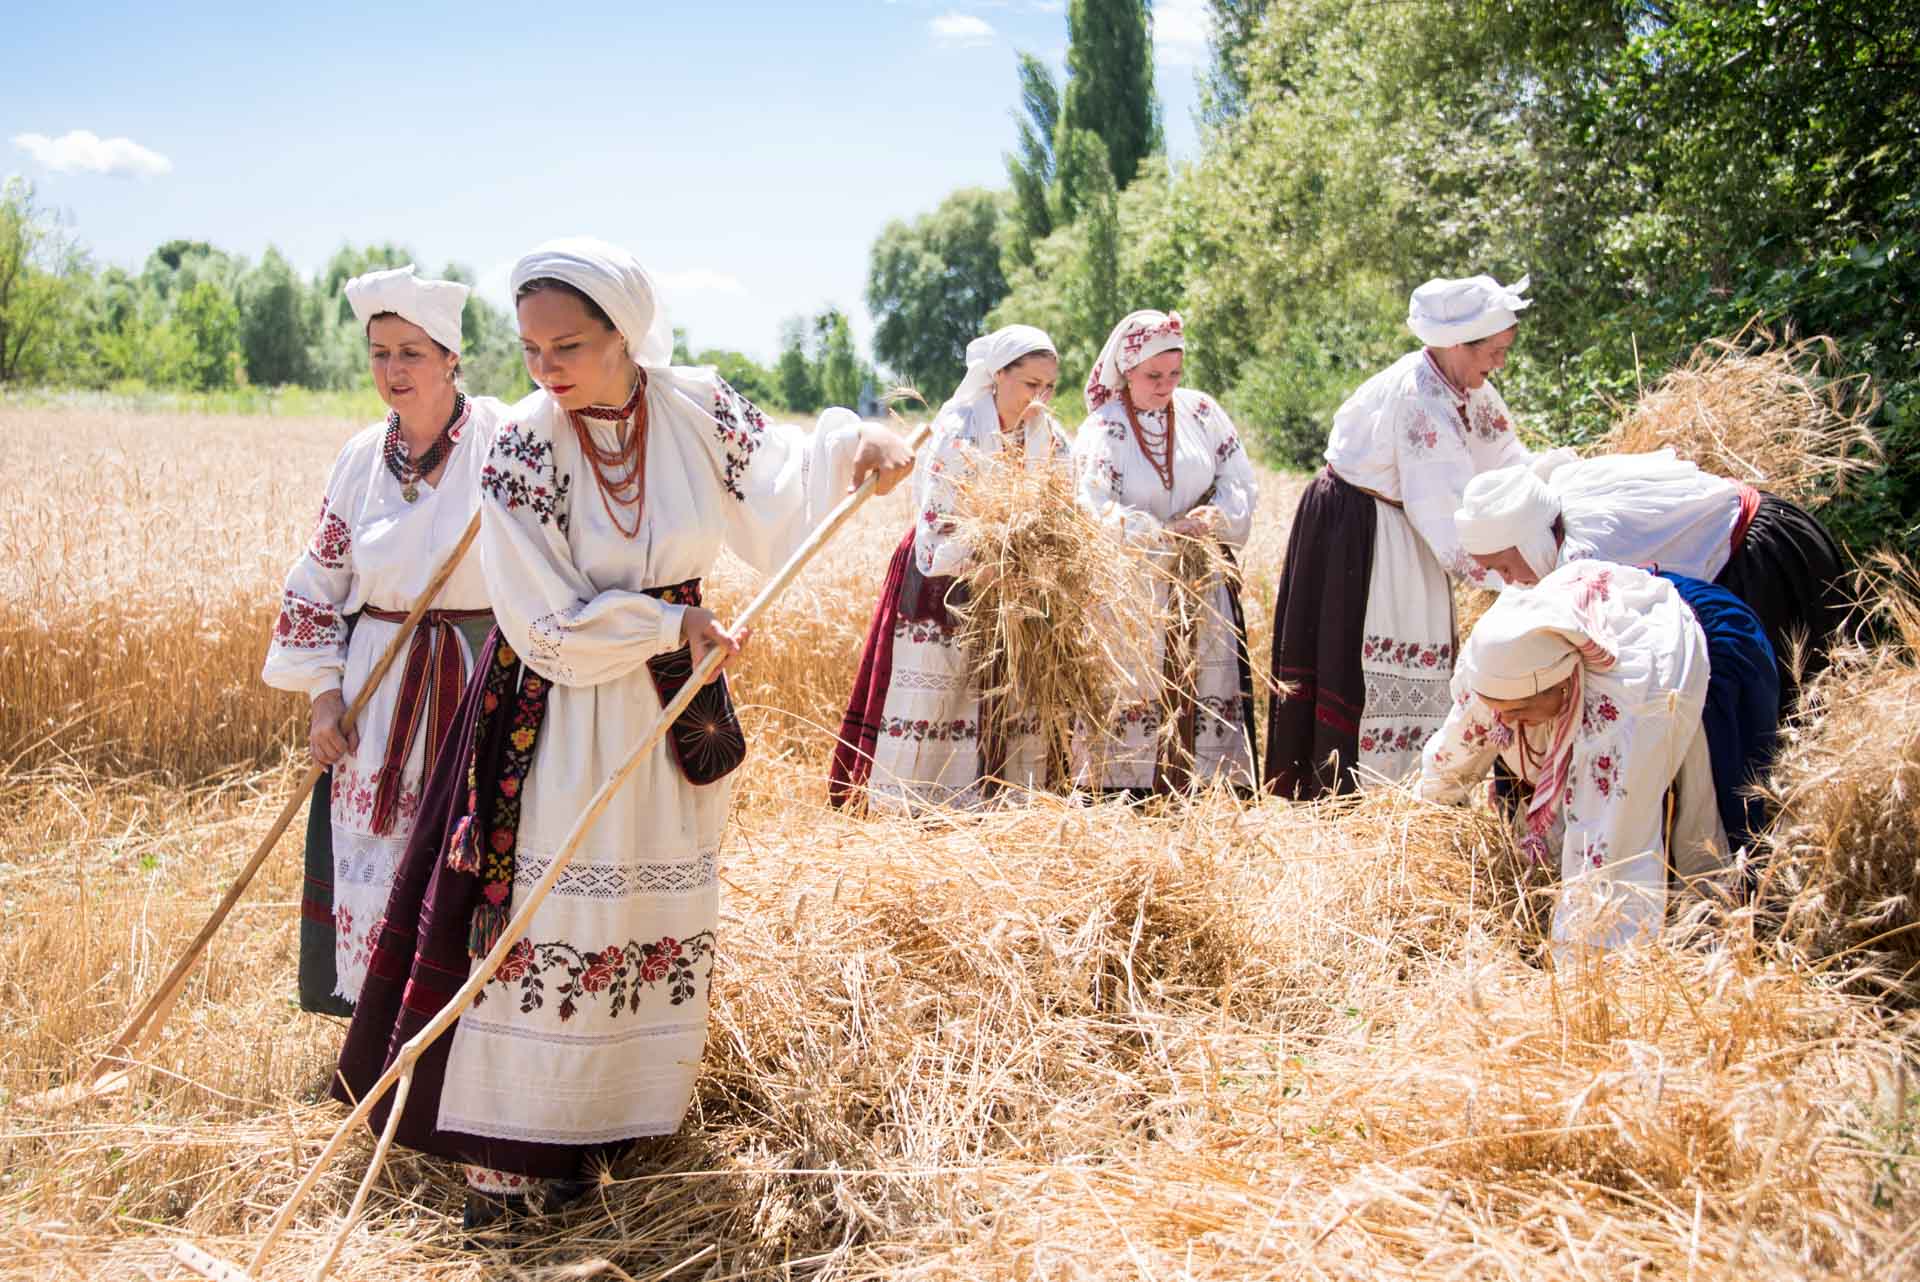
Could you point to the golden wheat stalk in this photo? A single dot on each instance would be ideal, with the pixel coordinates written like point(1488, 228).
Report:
point(151, 1015)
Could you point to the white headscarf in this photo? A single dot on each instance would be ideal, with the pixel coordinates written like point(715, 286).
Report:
point(433, 305)
point(1510, 507)
point(614, 279)
point(1140, 336)
point(1528, 642)
point(1444, 313)
point(991, 353)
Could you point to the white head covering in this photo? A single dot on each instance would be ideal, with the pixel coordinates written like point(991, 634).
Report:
point(1510, 507)
point(433, 305)
point(1443, 313)
point(613, 278)
point(1140, 336)
point(991, 353)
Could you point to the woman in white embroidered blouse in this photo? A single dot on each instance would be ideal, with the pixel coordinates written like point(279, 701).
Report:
point(916, 733)
point(400, 496)
point(1591, 687)
point(1155, 459)
point(1363, 634)
point(606, 499)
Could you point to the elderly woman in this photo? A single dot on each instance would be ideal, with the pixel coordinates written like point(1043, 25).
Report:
point(917, 733)
point(1597, 689)
point(1655, 510)
point(1157, 462)
point(604, 503)
point(1363, 630)
point(401, 495)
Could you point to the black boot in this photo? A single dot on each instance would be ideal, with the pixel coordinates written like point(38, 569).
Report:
point(486, 1213)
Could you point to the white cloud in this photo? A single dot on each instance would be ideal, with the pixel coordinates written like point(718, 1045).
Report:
point(81, 151)
point(1180, 32)
point(700, 281)
point(962, 29)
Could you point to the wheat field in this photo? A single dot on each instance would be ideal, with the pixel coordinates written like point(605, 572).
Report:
point(1224, 1040)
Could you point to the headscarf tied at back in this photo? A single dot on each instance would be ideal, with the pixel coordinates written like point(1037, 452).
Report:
point(613, 278)
point(1510, 507)
point(433, 305)
point(991, 353)
point(1528, 642)
point(1444, 313)
point(1140, 336)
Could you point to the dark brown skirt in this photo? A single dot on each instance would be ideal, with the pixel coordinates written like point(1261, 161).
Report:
point(1790, 573)
point(1313, 730)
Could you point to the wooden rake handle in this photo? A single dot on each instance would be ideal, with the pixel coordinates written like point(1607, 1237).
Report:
point(143, 1025)
point(400, 1072)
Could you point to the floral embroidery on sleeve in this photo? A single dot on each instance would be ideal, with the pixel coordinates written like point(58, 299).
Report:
point(305, 624)
point(521, 473)
point(1485, 420)
point(331, 541)
point(740, 427)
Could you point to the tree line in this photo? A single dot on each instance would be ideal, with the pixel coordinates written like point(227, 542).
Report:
point(1665, 171)
point(198, 318)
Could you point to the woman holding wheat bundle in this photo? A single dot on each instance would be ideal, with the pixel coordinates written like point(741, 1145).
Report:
point(1162, 467)
point(1363, 628)
point(604, 502)
point(400, 498)
point(917, 732)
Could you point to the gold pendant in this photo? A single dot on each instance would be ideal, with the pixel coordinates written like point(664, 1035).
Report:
point(409, 491)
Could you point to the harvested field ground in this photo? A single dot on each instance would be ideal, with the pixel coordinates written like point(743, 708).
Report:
point(1224, 1041)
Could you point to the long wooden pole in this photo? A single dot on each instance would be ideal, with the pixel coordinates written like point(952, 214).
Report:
point(150, 1016)
point(400, 1072)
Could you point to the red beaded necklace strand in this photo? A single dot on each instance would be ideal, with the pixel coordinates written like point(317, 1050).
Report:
point(1150, 442)
point(620, 472)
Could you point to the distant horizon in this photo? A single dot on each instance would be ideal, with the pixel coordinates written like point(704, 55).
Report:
point(245, 144)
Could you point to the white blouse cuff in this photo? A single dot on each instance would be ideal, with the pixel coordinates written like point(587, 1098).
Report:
point(673, 620)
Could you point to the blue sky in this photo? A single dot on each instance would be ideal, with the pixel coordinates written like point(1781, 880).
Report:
point(748, 153)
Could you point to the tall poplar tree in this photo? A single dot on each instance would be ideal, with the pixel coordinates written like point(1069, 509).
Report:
point(1110, 82)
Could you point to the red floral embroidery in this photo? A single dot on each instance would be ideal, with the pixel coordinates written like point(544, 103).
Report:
point(1606, 776)
point(331, 540)
point(1598, 714)
point(1433, 657)
point(929, 731)
point(1394, 739)
point(308, 625)
point(1135, 340)
point(619, 974)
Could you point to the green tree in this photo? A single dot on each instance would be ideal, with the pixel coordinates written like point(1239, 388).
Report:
point(349, 261)
point(745, 375)
point(841, 373)
point(279, 324)
point(42, 273)
point(1224, 84)
point(1030, 165)
point(209, 323)
point(798, 386)
point(931, 283)
point(1110, 81)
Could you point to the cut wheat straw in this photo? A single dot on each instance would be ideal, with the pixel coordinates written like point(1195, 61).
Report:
point(1058, 612)
point(1845, 851)
point(1764, 409)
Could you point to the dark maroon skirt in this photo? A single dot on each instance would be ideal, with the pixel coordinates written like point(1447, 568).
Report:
point(907, 596)
point(1313, 727)
point(420, 960)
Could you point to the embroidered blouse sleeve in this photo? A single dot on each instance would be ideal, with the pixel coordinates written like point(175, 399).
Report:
point(1434, 469)
point(1493, 424)
point(1101, 481)
point(1235, 489)
point(777, 481)
point(308, 652)
point(1613, 814)
point(564, 628)
point(936, 549)
point(1462, 751)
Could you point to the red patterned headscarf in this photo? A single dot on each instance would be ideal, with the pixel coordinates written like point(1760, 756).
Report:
point(1138, 337)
